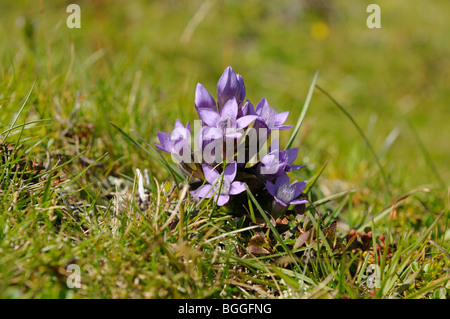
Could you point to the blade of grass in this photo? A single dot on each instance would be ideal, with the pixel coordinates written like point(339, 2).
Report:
point(418, 294)
point(19, 113)
point(25, 124)
point(231, 233)
point(303, 113)
point(332, 197)
point(313, 180)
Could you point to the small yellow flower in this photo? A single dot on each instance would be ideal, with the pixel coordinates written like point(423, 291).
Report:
point(320, 30)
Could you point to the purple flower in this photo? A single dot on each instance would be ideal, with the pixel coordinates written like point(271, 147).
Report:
point(230, 85)
point(269, 118)
point(272, 164)
point(284, 193)
point(204, 100)
point(226, 123)
point(290, 155)
point(211, 149)
point(246, 108)
point(223, 182)
point(177, 141)
point(276, 162)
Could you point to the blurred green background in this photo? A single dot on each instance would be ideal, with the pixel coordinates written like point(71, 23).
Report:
point(137, 63)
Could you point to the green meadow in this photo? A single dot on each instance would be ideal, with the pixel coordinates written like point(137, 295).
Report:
point(79, 112)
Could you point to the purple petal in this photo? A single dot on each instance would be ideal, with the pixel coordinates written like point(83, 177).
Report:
point(210, 173)
point(262, 106)
point(233, 134)
point(222, 199)
point(271, 188)
point(237, 188)
point(268, 159)
point(227, 87)
point(246, 121)
point(283, 127)
point(230, 109)
point(179, 133)
point(279, 201)
point(247, 109)
point(243, 110)
point(212, 151)
point(161, 149)
point(204, 191)
point(260, 123)
point(165, 141)
point(201, 137)
point(272, 164)
point(291, 154)
point(299, 187)
point(294, 167)
point(298, 202)
point(212, 133)
point(251, 109)
point(241, 93)
point(230, 171)
point(275, 145)
point(204, 100)
point(178, 125)
point(282, 180)
point(210, 117)
point(280, 118)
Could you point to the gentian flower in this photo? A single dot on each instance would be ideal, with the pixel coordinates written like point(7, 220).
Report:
point(285, 194)
point(272, 164)
point(204, 100)
point(226, 123)
point(177, 141)
point(246, 108)
point(291, 155)
point(230, 85)
point(211, 148)
point(234, 131)
point(269, 118)
point(219, 182)
point(276, 162)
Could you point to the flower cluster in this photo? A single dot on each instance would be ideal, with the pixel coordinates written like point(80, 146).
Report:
point(232, 150)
